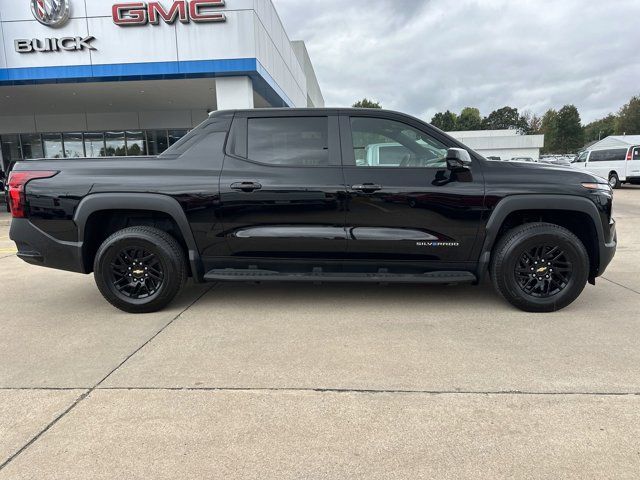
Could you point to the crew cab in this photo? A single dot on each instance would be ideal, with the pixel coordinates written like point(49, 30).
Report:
point(311, 195)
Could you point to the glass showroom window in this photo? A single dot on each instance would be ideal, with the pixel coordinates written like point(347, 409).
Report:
point(73, 145)
point(157, 141)
point(135, 144)
point(31, 146)
point(115, 144)
point(11, 148)
point(94, 144)
point(53, 145)
point(175, 135)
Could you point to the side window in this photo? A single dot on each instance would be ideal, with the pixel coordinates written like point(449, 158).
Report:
point(582, 158)
point(294, 141)
point(386, 143)
point(636, 153)
point(598, 156)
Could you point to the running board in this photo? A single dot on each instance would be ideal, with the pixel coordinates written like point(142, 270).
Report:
point(251, 275)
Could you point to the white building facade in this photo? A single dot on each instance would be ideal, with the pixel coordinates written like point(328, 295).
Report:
point(503, 144)
point(106, 77)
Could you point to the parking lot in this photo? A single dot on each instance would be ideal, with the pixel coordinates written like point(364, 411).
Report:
point(320, 381)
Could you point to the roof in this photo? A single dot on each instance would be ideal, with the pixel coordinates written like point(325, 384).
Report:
point(616, 141)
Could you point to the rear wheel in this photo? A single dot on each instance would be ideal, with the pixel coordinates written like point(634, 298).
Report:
point(140, 269)
point(540, 267)
point(614, 180)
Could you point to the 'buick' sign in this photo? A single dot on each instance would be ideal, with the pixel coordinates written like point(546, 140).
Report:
point(65, 44)
point(52, 13)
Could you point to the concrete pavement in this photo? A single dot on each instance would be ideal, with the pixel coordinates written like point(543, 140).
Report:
point(333, 381)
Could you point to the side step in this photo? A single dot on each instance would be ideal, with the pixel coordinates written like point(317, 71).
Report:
point(249, 275)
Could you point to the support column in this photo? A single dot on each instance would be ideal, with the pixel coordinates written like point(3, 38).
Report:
point(234, 93)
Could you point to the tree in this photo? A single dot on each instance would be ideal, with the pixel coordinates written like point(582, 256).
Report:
point(469, 119)
point(628, 122)
point(569, 133)
point(446, 121)
point(600, 129)
point(533, 121)
point(506, 118)
point(549, 127)
point(366, 103)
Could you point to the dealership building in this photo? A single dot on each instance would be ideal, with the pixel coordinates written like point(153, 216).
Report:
point(106, 77)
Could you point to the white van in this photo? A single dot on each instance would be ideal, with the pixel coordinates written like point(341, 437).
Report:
point(618, 165)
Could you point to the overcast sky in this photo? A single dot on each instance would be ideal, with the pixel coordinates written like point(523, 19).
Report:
point(424, 56)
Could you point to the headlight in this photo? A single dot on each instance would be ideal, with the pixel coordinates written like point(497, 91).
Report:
point(603, 187)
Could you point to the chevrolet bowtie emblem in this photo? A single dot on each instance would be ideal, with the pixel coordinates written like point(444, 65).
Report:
point(542, 269)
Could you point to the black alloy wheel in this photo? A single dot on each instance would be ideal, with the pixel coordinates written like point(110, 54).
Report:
point(140, 269)
point(540, 267)
point(544, 271)
point(137, 273)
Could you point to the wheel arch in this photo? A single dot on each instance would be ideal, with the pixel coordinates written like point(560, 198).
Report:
point(104, 203)
point(576, 208)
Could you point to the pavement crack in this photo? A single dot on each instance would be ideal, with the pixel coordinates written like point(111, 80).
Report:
point(371, 391)
point(97, 385)
point(620, 285)
point(44, 430)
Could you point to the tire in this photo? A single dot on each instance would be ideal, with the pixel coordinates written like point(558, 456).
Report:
point(614, 180)
point(545, 286)
point(140, 269)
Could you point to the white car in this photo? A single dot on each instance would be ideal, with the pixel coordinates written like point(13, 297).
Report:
point(618, 165)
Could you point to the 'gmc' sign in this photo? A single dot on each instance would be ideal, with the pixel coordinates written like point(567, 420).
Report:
point(184, 11)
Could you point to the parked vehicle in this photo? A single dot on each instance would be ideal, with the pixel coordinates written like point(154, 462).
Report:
point(618, 165)
point(271, 195)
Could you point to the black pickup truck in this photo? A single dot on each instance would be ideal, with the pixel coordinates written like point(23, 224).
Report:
point(330, 195)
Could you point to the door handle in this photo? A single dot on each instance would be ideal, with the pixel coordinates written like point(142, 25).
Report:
point(246, 187)
point(366, 188)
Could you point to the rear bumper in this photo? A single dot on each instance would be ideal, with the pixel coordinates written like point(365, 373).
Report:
point(38, 248)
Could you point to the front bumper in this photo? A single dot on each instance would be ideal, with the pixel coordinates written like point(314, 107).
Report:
point(608, 249)
point(38, 248)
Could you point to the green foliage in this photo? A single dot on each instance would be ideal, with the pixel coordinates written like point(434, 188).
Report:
point(549, 128)
point(600, 129)
point(446, 121)
point(563, 130)
point(628, 121)
point(506, 118)
point(366, 103)
point(569, 134)
point(469, 119)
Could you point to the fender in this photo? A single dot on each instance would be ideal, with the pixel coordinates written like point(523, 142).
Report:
point(516, 203)
point(141, 201)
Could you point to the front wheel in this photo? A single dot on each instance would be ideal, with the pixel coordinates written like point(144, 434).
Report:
point(614, 180)
point(140, 269)
point(540, 267)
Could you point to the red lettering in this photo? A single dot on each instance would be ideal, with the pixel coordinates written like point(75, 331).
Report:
point(178, 10)
point(129, 13)
point(198, 12)
point(142, 13)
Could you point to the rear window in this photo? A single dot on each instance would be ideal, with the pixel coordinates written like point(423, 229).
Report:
point(636, 153)
point(293, 141)
point(608, 155)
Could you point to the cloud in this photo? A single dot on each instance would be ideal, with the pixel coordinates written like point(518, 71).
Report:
point(424, 56)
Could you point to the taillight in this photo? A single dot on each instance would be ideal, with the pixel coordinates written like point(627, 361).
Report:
point(630, 155)
point(17, 183)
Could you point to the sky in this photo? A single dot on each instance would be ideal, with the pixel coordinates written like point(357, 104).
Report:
point(425, 56)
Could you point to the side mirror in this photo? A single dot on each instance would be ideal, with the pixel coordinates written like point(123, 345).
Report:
point(458, 158)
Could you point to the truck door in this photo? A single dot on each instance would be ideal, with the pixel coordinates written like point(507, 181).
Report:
point(282, 189)
point(408, 207)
